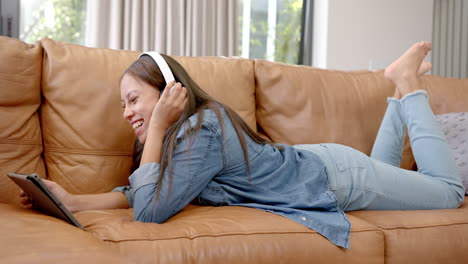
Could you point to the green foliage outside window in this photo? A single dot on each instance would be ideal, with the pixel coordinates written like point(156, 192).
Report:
point(61, 20)
point(287, 32)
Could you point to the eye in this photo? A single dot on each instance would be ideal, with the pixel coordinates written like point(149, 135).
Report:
point(133, 100)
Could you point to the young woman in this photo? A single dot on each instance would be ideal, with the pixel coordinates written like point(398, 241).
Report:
point(198, 149)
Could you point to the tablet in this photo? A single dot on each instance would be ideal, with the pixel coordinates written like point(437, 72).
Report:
point(43, 198)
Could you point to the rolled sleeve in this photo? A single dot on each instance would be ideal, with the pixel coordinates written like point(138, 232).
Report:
point(195, 163)
point(128, 191)
point(146, 174)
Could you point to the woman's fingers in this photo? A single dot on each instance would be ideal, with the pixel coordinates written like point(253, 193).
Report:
point(180, 96)
point(183, 92)
point(176, 96)
point(183, 96)
point(170, 105)
point(26, 202)
point(168, 89)
point(24, 198)
point(175, 90)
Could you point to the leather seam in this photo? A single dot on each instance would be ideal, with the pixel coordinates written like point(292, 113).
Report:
point(226, 235)
point(20, 142)
point(87, 152)
point(422, 226)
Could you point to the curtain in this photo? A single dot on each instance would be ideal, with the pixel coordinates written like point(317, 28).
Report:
point(450, 38)
point(172, 27)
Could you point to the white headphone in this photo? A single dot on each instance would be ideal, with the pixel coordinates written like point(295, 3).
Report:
point(163, 66)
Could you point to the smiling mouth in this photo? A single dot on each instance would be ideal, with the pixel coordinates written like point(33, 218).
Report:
point(137, 124)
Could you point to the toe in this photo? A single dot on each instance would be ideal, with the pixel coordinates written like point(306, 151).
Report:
point(427, 46)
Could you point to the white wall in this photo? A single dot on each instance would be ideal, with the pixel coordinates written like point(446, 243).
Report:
point(368, 34)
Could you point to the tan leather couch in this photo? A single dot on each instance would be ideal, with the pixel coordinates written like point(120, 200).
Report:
point(60, 117)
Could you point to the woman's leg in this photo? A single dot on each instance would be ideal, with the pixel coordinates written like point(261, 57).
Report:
point(363, 183)
point(430, 148)
point(388, 144)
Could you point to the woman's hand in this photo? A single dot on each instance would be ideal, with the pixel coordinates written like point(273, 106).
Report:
point(65, 197)
point(170, 106)
point(26, 201)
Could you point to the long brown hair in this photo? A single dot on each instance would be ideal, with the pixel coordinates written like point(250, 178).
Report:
point(146, 70)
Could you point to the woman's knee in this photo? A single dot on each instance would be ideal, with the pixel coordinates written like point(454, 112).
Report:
point(458, 196)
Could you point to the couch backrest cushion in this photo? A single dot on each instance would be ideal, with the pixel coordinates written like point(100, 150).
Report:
point(20, 97)
point(446, 94)
point(87, 143)
point(228, 80)
point(305, 105)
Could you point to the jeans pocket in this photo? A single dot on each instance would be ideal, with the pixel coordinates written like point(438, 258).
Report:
point(345, 157)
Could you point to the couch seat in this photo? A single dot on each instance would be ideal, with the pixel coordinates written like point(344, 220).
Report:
point(27, 236)
point(424, 236)
point(201, 234)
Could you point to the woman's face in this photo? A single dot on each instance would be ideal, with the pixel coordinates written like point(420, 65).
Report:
point(138, 101)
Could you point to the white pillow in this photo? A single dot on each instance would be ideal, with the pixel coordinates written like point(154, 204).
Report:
point(455, 128)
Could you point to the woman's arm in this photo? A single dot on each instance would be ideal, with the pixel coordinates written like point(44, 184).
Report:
point(77, 203)
point(110, 200)
point(195, 162)
point(153, 144)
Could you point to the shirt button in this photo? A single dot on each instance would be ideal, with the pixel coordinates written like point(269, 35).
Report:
point(303, 218)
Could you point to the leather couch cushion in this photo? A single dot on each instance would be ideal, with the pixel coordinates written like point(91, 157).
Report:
point(228, 80)
point(229, 235)
point(425, 236)
point(87, 143)
point(31, 237)
point(446, 94)
point(305, 105)
point(20, 97)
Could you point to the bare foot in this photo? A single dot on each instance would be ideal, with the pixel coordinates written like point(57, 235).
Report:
point(423, 69)
point(405, 70)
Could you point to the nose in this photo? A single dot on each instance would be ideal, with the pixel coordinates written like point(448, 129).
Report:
point(128, 113)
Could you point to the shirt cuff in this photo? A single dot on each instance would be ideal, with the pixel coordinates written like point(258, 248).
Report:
point(146, 174)
point(128, 192)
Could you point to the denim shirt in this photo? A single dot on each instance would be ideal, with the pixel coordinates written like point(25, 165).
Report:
point(289, 182)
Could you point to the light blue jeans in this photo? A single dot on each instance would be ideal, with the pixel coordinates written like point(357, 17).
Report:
point(360, 182)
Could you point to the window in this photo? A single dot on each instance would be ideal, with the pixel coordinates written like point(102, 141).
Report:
point(62, 20)
point(31, 20)
point(270, 29)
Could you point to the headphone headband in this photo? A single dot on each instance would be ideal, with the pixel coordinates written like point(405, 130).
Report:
point(162, 64)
